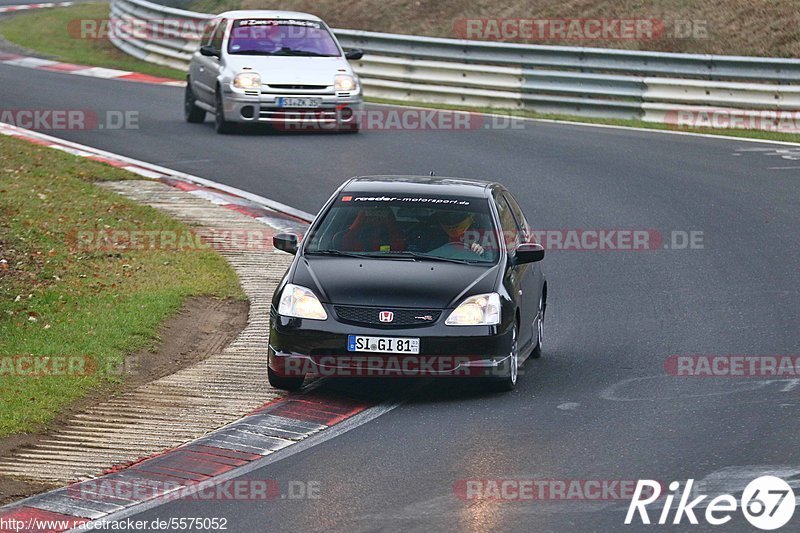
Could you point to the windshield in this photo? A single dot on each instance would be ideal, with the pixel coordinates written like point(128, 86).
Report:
point(414, 227)
point(281, 37)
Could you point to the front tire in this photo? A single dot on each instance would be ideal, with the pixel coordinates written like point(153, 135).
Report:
point(221, 125)
point(537, 350)
point(509, 381)
point(284, 382)
point(191, 112)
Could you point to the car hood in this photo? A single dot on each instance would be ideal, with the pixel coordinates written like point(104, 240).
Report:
point(393, 283)
point(288, 70)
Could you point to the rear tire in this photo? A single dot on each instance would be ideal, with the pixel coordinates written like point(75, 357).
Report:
point(283, 382)
point(221, 125)
point(191, 112)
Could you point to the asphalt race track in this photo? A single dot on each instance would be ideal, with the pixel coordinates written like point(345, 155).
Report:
point(599, 404)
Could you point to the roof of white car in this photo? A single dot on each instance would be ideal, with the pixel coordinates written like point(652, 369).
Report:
point(267, 14)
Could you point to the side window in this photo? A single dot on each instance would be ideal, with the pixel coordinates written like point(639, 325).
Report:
point(208, 32)
point(520, 217)
point(219, 35)
point(508, 223)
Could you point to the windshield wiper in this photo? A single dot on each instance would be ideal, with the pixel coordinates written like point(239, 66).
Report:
point(395, 255)
point(282, 52)
point(251, 53)
point(290, 52)
point(337, 253)
point(417, 255)
point(420, 256)
point(360, 255)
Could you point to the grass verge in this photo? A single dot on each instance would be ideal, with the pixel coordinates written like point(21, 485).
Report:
point(61, 39)
point(60, 300)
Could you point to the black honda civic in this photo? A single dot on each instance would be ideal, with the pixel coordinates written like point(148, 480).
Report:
point(410, 276)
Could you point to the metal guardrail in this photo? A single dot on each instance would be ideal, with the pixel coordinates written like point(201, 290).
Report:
point(173, 52)
point(652, 86)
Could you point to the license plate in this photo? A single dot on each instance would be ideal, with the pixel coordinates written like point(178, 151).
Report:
point(359, 343)
point(300, 102)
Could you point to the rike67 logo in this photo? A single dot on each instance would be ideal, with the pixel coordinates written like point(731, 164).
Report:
point(767, 502)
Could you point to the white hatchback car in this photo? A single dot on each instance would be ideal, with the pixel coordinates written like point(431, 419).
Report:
point(276, 67)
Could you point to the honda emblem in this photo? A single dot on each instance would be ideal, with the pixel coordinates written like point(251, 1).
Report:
point(386, 316)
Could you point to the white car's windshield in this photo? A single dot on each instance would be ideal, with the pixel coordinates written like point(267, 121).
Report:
point(281, 37)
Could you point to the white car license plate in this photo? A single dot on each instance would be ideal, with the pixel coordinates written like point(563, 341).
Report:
point(300, 102)
point(359, 343)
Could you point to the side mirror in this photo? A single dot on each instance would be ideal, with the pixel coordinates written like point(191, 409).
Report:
point(529, 253)
point(286, 242)
point(354, 54)
point(209, 51)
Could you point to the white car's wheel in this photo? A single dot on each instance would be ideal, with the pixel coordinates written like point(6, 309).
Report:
point(191, 112)
point(220, 124)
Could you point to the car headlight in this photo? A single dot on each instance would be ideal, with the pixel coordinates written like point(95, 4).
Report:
point(478, 310)
point(344, 82)
point(299, 302)
point(247, 80)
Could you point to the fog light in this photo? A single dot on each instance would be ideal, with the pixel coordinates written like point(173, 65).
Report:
point(346, 113)
point(248, 111)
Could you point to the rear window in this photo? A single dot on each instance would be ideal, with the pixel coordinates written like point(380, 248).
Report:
point(287, 37)
point(390, 225)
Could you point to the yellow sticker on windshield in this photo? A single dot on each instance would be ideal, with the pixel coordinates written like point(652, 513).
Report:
point(386, 248)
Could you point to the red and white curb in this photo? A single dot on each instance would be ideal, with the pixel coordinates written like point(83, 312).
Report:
point(199, 466)
point(25, 7)
point(279, 216)
point(85, 70)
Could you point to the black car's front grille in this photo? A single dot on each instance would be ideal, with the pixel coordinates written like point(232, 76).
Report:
point(371, 316)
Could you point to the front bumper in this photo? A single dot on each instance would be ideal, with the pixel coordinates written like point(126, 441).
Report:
point(335, 110)
point(300, 347)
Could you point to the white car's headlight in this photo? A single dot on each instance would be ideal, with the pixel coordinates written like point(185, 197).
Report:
point(247, 80)
point(299, 302)
point(479, 310)
point(345, 82)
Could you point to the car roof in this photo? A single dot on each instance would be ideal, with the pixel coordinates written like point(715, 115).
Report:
point(420, 185)
point(267, 14)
